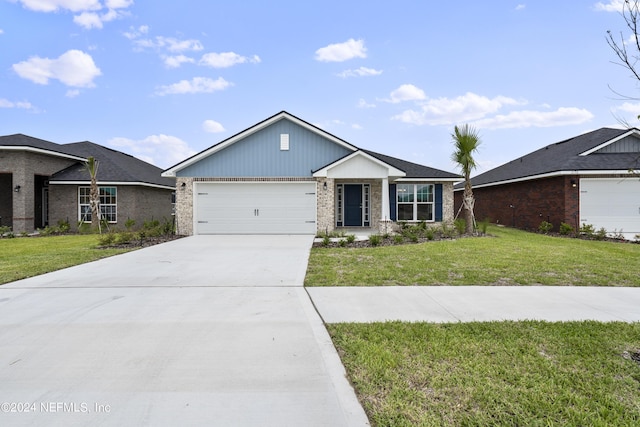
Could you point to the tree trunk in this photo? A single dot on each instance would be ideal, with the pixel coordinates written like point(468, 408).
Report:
point(468, 203)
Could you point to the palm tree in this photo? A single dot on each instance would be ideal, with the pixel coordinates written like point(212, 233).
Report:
point(94, 194)
point(466, 141)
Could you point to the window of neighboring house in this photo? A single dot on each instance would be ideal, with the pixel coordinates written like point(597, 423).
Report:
point(108, 204)
point(415, 202)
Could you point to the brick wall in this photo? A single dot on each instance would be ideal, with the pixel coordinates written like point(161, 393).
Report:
point(526, 204)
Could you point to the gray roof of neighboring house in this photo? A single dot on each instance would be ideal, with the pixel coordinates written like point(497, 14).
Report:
point(114, 166)
point(413, 170)
point(563, 156)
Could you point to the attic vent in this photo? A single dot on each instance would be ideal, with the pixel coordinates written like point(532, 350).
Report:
point(284, 142)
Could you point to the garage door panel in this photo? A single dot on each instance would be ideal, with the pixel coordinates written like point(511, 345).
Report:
point(611, 203)
point(255, 208)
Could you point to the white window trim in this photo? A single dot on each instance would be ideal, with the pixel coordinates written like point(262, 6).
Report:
point(415, 203)
point(100, 205)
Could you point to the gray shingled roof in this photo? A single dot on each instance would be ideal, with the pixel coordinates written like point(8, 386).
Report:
point(115, 166)
point(563, 156)
point(20, 140)
point(413, 170)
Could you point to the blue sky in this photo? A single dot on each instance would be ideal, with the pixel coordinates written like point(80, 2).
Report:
point(163, 80)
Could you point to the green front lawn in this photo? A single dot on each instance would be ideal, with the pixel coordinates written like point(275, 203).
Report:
point(494, 374)
point(507, 257)
point(30, 256)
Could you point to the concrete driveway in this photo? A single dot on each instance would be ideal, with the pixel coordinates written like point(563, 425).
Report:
point(205, 330)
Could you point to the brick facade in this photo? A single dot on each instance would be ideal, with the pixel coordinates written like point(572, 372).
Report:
point(526, 204)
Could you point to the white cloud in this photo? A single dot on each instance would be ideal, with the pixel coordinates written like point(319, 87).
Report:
point(88, 20)
point(521, 6)
point(169, 43)
point(195, 85)
point(226, 59)
point(364, 104)
point(73, 68)
point(89, 17)
point(1, 31)
point(176, 61)
point(134, 33)
point(523, 119)
point(55, 5)
point(629, 107)
point(160, 150)
point(340, 52)
point(212, 126)
point(360, 72)
point(406, 92)
point(445, 111)
point(356, 126)
point(72, 93)
point(5, 103)
point(612, 6)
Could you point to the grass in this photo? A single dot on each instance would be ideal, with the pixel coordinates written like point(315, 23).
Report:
point(487, 374)
point(510, 257)
point(30, 256)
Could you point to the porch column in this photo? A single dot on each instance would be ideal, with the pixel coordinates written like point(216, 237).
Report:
point(386, 211)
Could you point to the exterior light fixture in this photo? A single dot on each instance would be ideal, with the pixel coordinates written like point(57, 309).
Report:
point(573, 183)
point(17, 189)
point(324, 186)
point(183, 185)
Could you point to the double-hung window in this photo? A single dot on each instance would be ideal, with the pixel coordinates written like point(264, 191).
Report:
point(415, 202)
point(108, 204)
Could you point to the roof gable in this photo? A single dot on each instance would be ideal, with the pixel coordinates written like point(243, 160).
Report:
point(359, 165)
point(273, 124)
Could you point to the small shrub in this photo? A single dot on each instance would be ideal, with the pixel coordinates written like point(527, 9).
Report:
point(460, 225)
point(430, 234)
point(545, 227)
point(129, 224)
point(484, 225)
point(124, 237)
point(351, 238)
point(398, 239)
point(326, 240)
point(414, 238)
point(106, 239)
point(565, 229)
point(601, 234)
point(375, 239)
point(446, 231)
point(84, 228)
point(4, 230)
point(587, 230)
point(342, 243)
point(63, 226)
point(47, 231)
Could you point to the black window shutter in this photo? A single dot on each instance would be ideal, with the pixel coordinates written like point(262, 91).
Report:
point(392, 201)
point(438, 202)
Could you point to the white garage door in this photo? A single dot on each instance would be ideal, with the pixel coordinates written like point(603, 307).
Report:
point(255, 208)
point(612, 203)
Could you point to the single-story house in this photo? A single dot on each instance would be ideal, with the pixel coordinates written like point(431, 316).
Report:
point(42, 183)
point(285, 175)
point(582, 180)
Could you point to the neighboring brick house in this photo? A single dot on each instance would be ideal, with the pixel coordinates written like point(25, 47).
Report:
point(42, 182)
point(286, 176)
point(582, 180)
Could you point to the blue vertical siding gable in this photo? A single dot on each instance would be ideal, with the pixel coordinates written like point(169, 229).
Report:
point(260, 154)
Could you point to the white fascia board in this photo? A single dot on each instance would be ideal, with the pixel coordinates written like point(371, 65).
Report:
point(428, 179)
point(633, 131)
point(392, 171)
point(232, 140)
point(551, 175)
point(113, 183)
point(41, 151)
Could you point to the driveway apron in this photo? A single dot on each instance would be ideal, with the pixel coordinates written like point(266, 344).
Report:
point(204, 330)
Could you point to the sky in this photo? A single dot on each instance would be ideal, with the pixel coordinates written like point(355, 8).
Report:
point(163, 80)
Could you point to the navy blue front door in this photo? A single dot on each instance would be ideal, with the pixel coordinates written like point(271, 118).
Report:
point(353, 205)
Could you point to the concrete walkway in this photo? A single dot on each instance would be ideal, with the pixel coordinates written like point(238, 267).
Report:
point(205, 330)
point(475, 303)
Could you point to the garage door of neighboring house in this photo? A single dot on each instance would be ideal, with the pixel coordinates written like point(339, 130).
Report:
point(255, 208)
point(611, 203)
